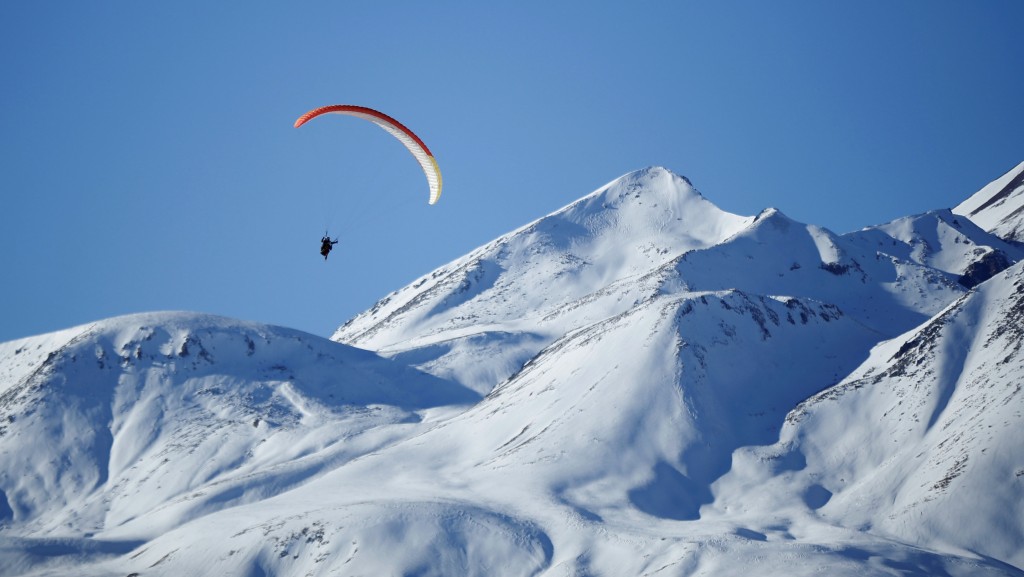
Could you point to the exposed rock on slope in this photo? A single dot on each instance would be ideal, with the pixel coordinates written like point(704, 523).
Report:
point(999, 207)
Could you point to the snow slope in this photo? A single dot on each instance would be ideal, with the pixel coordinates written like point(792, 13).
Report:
point(921, 443)
point(508, 299)
point(151, 420)
point(999, 206)
point(576, 466)
point(637, 384)
point(480, 318)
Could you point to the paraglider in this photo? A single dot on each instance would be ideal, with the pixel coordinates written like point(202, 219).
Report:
point(326, 244)
point(412, 142)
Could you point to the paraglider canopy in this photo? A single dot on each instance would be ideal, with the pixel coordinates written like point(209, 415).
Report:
point(412, 142)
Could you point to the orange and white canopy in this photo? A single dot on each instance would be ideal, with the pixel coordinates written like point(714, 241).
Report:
point(412, 142)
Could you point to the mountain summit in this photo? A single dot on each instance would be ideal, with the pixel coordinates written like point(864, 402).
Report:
point(509, 298)
point(650, 233)
point(636, 384)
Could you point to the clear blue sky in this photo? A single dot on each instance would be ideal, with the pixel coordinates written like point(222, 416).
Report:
point(149, 160)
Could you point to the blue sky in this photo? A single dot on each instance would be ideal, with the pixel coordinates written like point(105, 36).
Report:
point(149, 160)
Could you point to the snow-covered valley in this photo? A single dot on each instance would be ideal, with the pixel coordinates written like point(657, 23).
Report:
point(637, 384)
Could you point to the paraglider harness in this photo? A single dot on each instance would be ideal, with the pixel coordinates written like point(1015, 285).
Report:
point(326, 244)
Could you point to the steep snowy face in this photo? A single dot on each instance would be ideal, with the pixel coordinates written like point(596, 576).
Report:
point(623, 229)
point(512, 294)
point(101, 423)
point(921, 442)
point(648, 404)
point(479, 319)
point(999, 206)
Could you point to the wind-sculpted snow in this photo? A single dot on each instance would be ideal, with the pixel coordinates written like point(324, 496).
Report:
point(921, 443)
point(637, 384)
point(654, 419)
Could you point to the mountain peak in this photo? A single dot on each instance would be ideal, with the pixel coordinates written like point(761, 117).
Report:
point(773, 217)
point(654, 186)
point(627, 228)
point(651, 209)
point(657, 173)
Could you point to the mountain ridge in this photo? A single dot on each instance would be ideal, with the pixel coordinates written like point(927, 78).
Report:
point(999, 206)
point(636, 384)
point(492, 296)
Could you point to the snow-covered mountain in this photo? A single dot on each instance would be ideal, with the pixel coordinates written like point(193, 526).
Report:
point(999, 207)
point(650, 233)
point(148, 421)
point(921, 443)
point(637, 384)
